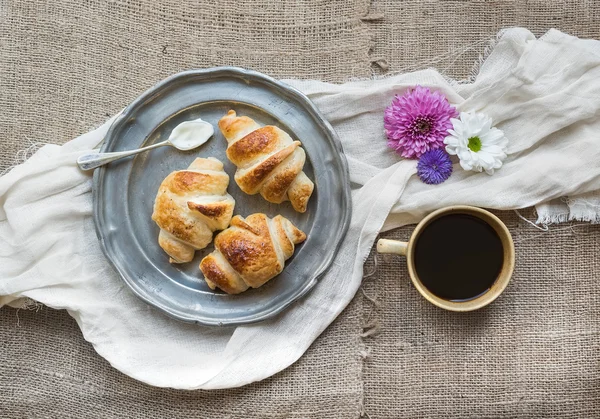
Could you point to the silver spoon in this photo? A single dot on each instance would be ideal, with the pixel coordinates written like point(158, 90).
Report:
point(186, 136)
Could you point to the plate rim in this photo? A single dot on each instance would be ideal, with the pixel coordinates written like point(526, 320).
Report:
point(324, 125)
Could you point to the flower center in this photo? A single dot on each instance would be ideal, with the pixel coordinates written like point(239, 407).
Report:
point(422, 125)
point(474, 144)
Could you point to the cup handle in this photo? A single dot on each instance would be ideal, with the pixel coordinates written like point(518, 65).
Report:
point(392, 246)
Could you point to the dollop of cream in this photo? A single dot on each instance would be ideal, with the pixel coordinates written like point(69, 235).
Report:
point(191, 134)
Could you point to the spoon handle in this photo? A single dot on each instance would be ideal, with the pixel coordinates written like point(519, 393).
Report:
point(93, 160)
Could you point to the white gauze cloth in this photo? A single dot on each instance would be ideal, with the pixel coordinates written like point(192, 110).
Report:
point(544, 94)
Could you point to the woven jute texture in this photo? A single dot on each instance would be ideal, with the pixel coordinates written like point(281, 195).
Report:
point(67, 65)
point(48, 371)
point(534, 353)
point(451, 35)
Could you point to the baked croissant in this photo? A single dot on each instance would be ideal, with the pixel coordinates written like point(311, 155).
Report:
point(190, 205)
point(268, 161)
point(250, 252)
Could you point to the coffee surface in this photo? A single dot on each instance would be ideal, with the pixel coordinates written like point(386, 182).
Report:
point(458, 257)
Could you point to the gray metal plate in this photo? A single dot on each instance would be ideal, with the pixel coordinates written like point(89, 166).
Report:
point(124, 193)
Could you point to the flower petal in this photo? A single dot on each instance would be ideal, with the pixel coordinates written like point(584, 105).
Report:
point(493, 142)
point(418, 121)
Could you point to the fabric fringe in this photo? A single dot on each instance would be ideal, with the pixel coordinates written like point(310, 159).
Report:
point(22, 156)
point(531, 223)
point(548, 219)
point(588, 216)
point(487, 51)
point(30, 305)
point(584, 208)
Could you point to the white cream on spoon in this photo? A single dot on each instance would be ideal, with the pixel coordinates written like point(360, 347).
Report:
point(191, 134)
point(185, 136)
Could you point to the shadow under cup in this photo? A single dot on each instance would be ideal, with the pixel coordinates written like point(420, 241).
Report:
point(449, 230)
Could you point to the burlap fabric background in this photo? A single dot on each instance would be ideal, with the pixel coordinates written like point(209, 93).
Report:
point(65, 66)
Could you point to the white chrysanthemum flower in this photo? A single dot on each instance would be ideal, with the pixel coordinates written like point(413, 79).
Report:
point(478, 145)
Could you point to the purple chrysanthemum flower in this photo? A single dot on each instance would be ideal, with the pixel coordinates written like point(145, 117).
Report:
point(418, 121)
point(434, 167)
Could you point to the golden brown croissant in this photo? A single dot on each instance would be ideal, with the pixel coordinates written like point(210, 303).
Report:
point(190, 205)
point(250, 252)
point(268, 161)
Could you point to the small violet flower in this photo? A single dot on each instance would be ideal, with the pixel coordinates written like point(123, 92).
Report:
point(434, 167)
point(418, 121)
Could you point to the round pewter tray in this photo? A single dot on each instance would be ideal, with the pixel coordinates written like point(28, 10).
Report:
point(124, 193)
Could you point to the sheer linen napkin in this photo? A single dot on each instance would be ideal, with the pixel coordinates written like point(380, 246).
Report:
point(544, 94)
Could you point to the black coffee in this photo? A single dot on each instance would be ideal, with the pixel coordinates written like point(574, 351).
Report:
point(458, 257)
